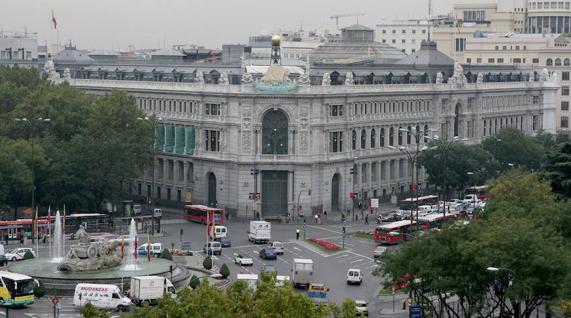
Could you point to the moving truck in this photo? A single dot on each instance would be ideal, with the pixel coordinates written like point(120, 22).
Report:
point(149, 289)
point(260, 232)
point(302, 272)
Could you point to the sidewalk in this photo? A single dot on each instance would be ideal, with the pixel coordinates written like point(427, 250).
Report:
point(386, 303)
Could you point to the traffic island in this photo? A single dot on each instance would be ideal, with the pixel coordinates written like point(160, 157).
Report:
point(324, 246)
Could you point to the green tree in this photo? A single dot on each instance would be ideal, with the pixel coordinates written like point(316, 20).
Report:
point(512, 147)
point(194, 281)
point(207, 263)
point(346, 310)
point(558, 169)
point(240, 299)
point(166, 254)
point(224, 271)
point(28, 255)
point(90, 311)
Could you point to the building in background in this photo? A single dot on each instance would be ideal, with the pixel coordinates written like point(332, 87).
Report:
point(18, 48)
point(405, 35)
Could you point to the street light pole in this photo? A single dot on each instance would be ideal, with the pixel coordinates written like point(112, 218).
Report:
point(154, 124)
point(502, 296)
point(32, 167)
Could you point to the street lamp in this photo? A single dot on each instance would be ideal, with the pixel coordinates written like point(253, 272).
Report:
point(154, 123)
point(419, 135)
point(511, 275)
point(32, 124)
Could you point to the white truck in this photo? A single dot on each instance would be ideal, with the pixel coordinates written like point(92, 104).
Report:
point(260, 232)
point(149, 289)
point(302, 272)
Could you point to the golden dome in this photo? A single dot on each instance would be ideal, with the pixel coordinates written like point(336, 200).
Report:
point(276, 39)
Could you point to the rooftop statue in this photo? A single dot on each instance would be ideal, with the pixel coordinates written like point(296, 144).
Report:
point(326, 79)
point(199, 77)
point(439, 78)
point(531, 76)
point(458, 79)
point(349, 79)
point(480, 78)
point(223, 80)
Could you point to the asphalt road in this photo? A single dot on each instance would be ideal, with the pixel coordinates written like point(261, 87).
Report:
point(330, 269)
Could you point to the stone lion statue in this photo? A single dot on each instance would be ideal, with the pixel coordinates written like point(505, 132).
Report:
point(326, 79)
point(439, 78)
point(349, 79)
point(223, 80)
point(531, 77)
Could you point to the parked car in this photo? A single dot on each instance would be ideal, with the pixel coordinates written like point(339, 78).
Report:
point(268, 269)
point(268, 253)
point(354, 276)
point(214, 248)
point(157, 213)
point(3, 260)
point(361, 308)
point(224, 241)
point(18, 253)
point(278, 247)
point(379, 251)
point(242, 261)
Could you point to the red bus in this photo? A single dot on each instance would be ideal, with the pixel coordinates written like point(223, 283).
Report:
point(393, 233)
point(433, 221)
point(15, 230)
point(481, 191)
point(198, 213)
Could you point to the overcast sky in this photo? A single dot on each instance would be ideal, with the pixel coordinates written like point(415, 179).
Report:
point(107, 24)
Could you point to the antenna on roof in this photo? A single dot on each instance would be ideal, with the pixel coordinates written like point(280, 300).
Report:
point(429, 22)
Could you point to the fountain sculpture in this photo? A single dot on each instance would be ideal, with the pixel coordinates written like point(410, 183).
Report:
point(89, 256)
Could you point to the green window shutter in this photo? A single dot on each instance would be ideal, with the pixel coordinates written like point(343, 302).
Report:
point(179, 147)
point(190, 144)
point(160, 137)
point(170, 138)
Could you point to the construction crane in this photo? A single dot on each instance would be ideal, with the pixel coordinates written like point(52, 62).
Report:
point(336, 17)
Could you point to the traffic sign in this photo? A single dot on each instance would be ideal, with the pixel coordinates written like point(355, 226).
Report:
point(254, 196)
point(55, 300)
point(375, 203)
point(415, 311)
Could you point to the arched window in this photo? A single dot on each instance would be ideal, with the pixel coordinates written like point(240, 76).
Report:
point(373, 132)
point(382, 138)
point(363, 139)
point(392, 136)
point(557, 62)
point(549, 62)
point(408, 135)
point(400, 136)
point(275, 133)
point(566, 62)
point(354, 140)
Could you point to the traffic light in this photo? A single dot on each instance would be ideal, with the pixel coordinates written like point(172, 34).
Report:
point(344, 229)
point(352, 171)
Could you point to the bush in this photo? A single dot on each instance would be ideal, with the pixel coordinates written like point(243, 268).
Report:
point(194, 282)
point(90, 311)
point(28, 255)
point(166, 254)
point(207, 263)
point(40, 290)
point(224, 271)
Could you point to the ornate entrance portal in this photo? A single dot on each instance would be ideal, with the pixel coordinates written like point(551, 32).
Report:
point(274, 193)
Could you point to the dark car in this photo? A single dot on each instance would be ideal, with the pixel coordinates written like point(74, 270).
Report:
point(268, 253)
point(3, 260)
point(225, 241)
point(391, 217)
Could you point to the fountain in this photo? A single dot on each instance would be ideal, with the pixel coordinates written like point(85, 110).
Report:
point(96, 261)
point(57, 246)
point(131, 263)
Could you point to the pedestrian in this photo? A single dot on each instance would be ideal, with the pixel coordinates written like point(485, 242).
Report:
point(316, 217)
point(297, 233)
point(325, 214)
point(366, 219)
point(342, 217)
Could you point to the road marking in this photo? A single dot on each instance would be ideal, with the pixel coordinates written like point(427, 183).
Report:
point(324, 229)
point(363, 256)
point(356, 261)
point(296, 248)
point(364, 242)
point(341, 255)
point(283, 260)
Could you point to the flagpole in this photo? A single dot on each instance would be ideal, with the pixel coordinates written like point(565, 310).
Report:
point(63, 231)
point(50, 231)
point(36, 234)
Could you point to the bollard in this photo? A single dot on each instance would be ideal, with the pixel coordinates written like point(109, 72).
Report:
point(403, 304)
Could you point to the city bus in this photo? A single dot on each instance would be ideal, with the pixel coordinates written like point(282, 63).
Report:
point(395, 232)
point(199, 214)
point(92, 222)
point(411, 203)
point(481, 191)
point(434, 221)
point(16, 289)
point(16, 230)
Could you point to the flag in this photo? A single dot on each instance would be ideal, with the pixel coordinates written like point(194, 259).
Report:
point(136, 246)
point(122, 246)
point(54, 21)
point(49, 215)
point(148, 247)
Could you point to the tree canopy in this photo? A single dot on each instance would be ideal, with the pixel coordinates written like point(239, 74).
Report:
point(88, 150)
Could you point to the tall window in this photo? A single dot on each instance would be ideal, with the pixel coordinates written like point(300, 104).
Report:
point(275, 133)
point(457, 121)
point(373, 138)
point(564, 122)
point(408, 135)
point(363, 139)
point(212, 109)
point(565, 105)
point(336, 141)
point(212, 140)
point(354, 140)
point(460, 44)
point(400, 136)
point(382, 138)
point(391, 136)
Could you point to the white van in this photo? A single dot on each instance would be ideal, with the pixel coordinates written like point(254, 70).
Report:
point(220, 231)
point(101, 296)
point(354, 276)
